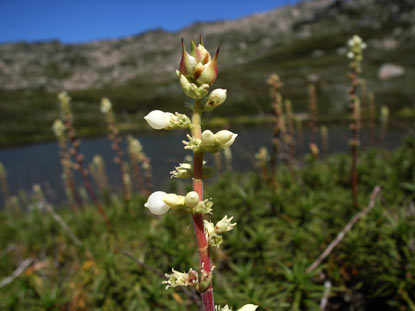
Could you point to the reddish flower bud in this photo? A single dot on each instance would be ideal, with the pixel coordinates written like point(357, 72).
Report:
point(198, 66)
point(209, 72)
point(187, 63)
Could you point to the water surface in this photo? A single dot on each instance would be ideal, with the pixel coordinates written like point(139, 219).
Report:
point(39, 163)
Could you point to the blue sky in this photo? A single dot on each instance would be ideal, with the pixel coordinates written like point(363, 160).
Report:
point(80, 21)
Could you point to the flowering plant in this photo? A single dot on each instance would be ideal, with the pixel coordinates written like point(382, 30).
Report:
point(197, 72)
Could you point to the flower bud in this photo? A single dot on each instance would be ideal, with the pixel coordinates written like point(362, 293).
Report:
point(192, 199)
point(157, 119)
point(58, 128)
point(202, 55)
point(207, 73)
point(248, 307)
point(207, 138)
point(106, 105)
point(215, 98)
point(187, 63)
point(155, 203)
point(173, 200)
point(197, 67)
point(225, 138)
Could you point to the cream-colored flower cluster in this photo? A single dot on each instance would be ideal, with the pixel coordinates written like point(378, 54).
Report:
point(197, 72)
point(355, 54)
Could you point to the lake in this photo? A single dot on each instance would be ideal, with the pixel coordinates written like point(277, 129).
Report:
point(39, 163)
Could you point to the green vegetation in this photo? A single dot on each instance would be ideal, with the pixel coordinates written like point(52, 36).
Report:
point(263, 261)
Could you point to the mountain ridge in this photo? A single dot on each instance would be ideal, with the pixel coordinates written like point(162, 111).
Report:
point(137, 72)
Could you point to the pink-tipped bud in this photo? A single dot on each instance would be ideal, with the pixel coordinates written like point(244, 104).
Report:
point(209, 72)
point(203, 55)
point(187, 63)
point(198, 66)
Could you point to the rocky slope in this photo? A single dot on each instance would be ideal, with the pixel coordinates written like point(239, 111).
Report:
point(295, 41)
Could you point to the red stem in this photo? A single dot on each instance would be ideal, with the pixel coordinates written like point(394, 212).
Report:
point(202, 243)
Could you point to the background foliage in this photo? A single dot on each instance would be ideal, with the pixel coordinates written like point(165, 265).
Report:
point(263, 261)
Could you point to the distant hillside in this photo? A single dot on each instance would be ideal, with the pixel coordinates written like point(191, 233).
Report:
point(138, 72)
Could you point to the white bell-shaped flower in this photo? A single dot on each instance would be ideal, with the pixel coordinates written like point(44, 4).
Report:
point(225, 138)
point(248, 307)
point(192, 199)
point(155, 203)
point(158, 119)
point(215, 99)
point(207, 138)
point(106, 105)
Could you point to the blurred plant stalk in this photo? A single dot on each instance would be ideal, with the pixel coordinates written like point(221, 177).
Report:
point(4, 185)
point(276, 102)
point(313, 111)
point(66, 114)
point(69, 184)
point(138, 158)
point(98, 173)
point(371, 115)
point(355, 54)
point(384, 121)
point(290, 131)
point(113, 135)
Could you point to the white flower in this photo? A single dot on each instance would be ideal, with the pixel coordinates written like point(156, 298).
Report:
point(155, 203)
point(225, 138)
point(184, 170)
point(213, 238)
point(350, 55)
point(64, 97)
point(218, 96)
point(224, 225)
point(248, 307)
point(58, 128)
point(357, 40)
point(192, 199)
point(177, 278)
point(207, 138)
point(106, 105)
point(158, 119)
point(215, 98)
